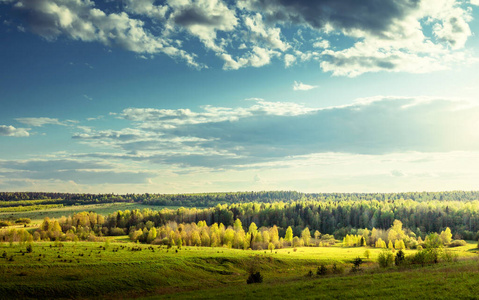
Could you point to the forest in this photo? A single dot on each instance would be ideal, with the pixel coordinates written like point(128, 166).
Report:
point(212, 199)
point(279, 237)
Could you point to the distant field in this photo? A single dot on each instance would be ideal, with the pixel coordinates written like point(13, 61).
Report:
point(104, 209)
point(85, 269)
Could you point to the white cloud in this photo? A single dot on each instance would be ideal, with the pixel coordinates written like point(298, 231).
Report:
point(258, 57)
point(39, 122)
point(299, 86)
point(392, 36)
point(81, 20)
point(321, 43)
point(259, 33)
point(474, 2)
point(289, 60)
point(147, 7)
point(6, 130)
point(268, 132)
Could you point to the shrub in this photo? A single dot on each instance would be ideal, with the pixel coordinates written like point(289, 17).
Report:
point(357, 264)
point(426, 256)
point(385, 259)
point(322, 270)
point(23, 221)
point(255, 277)
point(5, 223)
point(399, 259)
point(29, 248)
point(457, 243)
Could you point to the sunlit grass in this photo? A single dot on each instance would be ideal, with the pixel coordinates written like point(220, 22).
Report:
point(84, 269)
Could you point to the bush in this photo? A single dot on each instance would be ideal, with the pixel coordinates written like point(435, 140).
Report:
point(357, 264)
point(254, 278)
point(23, 221)
point(322, 270)
point(457, 243)
point(426, 256)
point(116, 231)
point(399, 259)
point(5, 224)
point(385, 259)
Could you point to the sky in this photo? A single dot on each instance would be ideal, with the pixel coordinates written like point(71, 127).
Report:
point(183, 96)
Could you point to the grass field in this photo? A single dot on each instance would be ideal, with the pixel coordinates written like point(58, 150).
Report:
point(103, 209)
point(85, 270)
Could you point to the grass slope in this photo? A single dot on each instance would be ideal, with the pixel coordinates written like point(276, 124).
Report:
point(86, 270)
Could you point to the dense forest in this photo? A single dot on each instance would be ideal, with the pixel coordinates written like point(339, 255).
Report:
point(212, 199)
point(333, 218)
point(329, 217)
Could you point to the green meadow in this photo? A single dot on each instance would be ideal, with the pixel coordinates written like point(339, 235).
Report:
point(118, 268)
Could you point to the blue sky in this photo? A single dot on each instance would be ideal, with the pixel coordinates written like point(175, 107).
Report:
point(210, 95)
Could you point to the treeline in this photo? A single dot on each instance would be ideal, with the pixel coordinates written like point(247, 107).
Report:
point(212, 199)
point(91, 226)
point(337, 218)
point(333, 218)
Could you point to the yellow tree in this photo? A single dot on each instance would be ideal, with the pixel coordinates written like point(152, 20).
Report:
point(446, 236)
point(238, 225)
point(289, 235)
point(306, 236)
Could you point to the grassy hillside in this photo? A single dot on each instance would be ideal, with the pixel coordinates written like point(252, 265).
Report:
point(118, 268)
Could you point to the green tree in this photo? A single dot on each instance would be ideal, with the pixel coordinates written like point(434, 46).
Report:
point(288, 237)
point(253, 228)
point(433, 241)
point(151, 235)
point(238, 225)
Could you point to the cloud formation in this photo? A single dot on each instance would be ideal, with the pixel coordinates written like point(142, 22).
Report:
point(8, 130)
point(349, 37)
point(219, 137)
point(68, 170)
point(81, 20)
